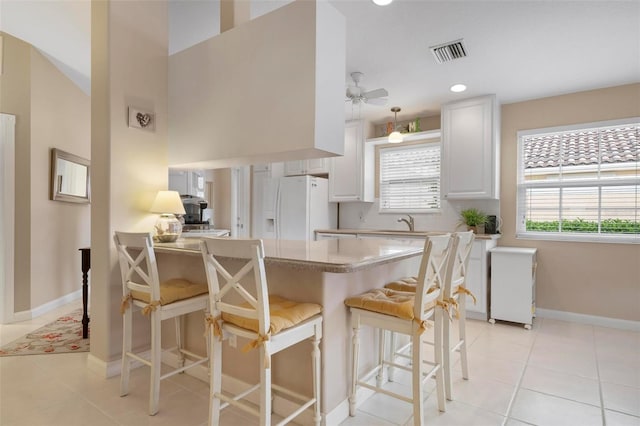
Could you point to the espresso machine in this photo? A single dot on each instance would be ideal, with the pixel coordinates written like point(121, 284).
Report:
point(194, 208)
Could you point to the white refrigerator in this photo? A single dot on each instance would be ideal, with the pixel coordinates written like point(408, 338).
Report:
point(302, 206)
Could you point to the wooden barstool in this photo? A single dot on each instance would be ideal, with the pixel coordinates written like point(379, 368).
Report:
point(407, 313)
point(271, 323)
point(455, 294)
point(141, 288)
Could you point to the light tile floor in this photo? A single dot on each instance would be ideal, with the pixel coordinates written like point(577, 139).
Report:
point(559, 373)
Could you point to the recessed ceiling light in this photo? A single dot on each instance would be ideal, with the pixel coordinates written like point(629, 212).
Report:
point(382, 2)
point(458, 88)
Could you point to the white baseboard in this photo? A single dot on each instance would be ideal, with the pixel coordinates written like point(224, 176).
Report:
point(589, 319)
point(112, 368)
point(47, 307)
point(341, 412)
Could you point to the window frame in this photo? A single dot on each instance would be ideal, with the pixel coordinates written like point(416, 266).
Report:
point(428, 141)
point(522, 186)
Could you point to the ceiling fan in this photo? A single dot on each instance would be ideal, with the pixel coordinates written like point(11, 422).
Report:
point(357, 94)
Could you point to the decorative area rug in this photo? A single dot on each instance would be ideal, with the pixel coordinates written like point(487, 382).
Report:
point(61, 336)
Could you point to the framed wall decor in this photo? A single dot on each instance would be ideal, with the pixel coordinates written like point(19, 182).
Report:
point(142, 119)
point(70, 177)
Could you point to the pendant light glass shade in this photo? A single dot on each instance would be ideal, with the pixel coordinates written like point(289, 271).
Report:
point(395, 136)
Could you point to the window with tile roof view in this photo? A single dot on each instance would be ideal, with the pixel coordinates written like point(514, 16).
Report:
point(580, 182)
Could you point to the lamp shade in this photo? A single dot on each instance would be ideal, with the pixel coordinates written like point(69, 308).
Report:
point(395, 137)
point(167, 202)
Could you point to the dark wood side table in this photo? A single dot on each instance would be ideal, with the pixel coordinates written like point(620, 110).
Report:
point(86, 265)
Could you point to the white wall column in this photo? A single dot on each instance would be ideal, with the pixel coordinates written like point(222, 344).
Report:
point(129, 68)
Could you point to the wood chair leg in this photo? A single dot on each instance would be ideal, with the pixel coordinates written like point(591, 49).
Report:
point(392, 351)
point(215, 378)
point(316, 363)
point(265, 387)
point(381, 350)
point(462, 330)
point(446, 358)
point(438, 349)
point(178, 324)
point(354, 367)
point(417, 354)
point(156, 353)
point(127, 330)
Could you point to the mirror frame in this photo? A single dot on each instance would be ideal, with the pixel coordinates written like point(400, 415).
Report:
point(54, 193)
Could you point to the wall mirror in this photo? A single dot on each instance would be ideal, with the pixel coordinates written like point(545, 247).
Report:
point(69, 177)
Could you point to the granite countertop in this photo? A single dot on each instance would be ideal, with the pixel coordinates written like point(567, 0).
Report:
point(396, 233)
point(337, 255)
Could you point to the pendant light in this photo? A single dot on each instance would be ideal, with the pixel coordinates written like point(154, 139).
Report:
point(395, 136)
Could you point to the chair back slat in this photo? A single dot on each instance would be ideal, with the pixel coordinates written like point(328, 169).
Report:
point(458, 261)
point(236, 310)
point(432, 272)
point(252, 252)
point(138, 273)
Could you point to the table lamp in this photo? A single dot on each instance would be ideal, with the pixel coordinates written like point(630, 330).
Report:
point(168, 204)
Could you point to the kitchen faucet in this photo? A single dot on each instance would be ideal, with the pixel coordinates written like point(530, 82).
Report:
point(408, 222)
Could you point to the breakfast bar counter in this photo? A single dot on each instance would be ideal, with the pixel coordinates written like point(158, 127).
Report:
point(337, 255)
point(324, 272)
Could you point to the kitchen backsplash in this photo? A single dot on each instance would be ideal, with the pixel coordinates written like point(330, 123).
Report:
point(367, 216)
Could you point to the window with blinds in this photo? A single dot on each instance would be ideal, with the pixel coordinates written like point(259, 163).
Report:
point(410, 178)
point(580, 182)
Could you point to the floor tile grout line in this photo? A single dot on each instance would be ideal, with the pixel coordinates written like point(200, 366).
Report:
point(600, 393)
point(519, 383)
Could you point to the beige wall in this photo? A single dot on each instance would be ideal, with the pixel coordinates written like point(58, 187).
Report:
point(586, 278)
point(50, 112)
point(128, 68)
point(60, 118)
point(15, 98)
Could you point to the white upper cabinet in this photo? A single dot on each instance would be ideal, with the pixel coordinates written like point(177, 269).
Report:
point(351, 176)
point(187, 182)
point(471, 149)
point(315, 166)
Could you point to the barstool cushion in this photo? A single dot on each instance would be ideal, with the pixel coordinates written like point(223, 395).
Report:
point(283, 313)
point(386, 301)
point(403, 284)
point(174, 290)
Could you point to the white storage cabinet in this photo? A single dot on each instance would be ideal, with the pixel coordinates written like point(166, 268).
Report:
point(471, 149)
point(513, 285)
point(351, 175)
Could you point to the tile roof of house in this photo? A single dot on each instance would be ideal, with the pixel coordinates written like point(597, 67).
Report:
point(616, 145)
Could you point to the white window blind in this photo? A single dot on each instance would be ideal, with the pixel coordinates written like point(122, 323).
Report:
point(410, 178)
point(580, 182)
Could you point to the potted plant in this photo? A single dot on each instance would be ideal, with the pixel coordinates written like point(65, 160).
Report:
point(474, 219)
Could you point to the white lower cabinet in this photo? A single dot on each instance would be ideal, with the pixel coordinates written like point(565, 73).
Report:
point(513, 284)
point(478, 278)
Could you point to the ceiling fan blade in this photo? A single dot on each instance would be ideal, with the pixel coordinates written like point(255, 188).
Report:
point(376, 101)
point(378, 93)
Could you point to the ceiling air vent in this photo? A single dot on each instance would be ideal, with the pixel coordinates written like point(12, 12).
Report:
point(449, 51)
